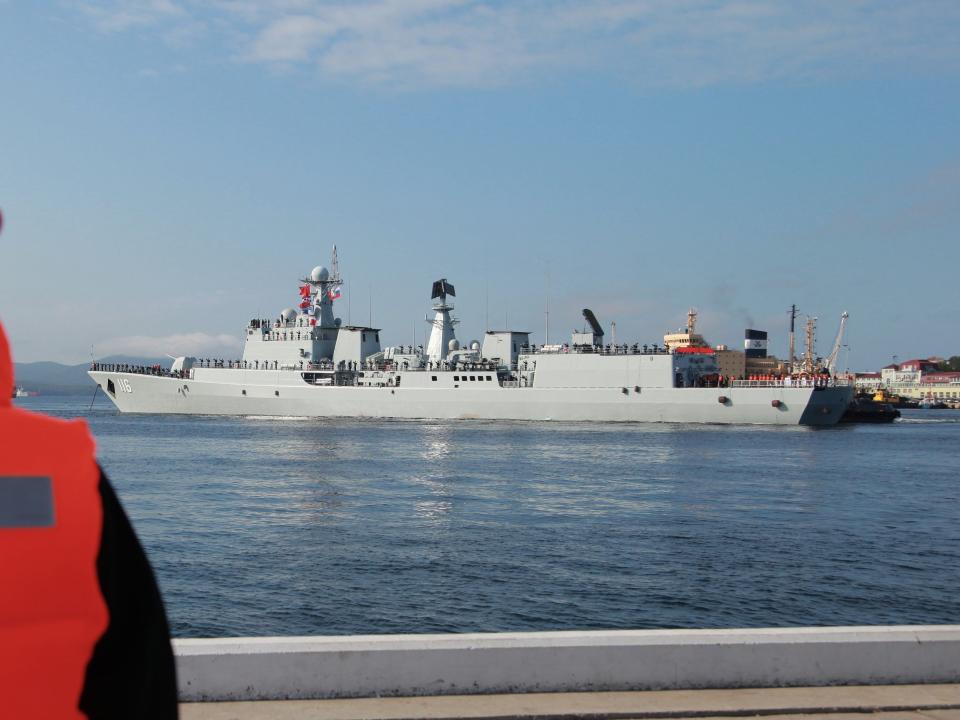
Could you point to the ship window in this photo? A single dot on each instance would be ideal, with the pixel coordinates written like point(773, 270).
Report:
point(473, 377)
point(433, 377)
point(456, 378)
point(277, 393)
point(489, 378)
point(479, 377)
point(243, 392)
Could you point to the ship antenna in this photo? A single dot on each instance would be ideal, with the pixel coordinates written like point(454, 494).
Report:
point(791, 349)
point(546, 302)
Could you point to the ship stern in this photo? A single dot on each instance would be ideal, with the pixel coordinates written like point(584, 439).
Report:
point(827, 405)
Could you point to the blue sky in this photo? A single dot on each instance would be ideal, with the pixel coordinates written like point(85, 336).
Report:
point(168, 169)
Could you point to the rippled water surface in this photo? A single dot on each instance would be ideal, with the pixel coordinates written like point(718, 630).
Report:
point(292, 526)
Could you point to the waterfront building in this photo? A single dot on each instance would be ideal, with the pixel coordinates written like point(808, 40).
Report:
point(942, 386)
point(752, 360)
point(867, 382)
point(919, 378)
point(730, 362)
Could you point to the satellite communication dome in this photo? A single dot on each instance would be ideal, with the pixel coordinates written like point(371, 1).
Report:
point(319, 274)
point(289, 315)
point(454, 344)
point(475, 345)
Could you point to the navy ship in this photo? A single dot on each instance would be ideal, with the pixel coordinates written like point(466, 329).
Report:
point(306, 362)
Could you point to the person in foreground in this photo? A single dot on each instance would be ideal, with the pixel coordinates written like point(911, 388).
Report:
point(83, 632)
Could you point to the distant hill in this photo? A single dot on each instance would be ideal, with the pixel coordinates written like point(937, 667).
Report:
point(51, 378)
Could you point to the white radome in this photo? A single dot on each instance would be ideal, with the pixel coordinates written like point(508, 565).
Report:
point(289, 315)
point(319, 274)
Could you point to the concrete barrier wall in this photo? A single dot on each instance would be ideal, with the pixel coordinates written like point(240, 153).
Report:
point(406, 665)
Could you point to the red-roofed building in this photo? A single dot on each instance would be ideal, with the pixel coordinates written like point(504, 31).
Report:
point(919, 365)
point(921, 378)
point(940, 378)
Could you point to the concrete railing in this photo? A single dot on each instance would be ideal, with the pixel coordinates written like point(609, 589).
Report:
point(409, 665)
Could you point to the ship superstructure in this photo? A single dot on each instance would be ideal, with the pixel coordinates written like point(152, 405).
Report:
point(307, 362)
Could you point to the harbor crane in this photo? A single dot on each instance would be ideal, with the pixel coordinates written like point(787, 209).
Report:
point(831, 363)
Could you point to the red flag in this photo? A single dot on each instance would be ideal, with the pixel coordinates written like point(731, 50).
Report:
point(305, 291)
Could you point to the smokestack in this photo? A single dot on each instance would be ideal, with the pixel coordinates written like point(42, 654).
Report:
point(755, 343)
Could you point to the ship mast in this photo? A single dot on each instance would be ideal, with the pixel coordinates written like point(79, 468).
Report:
point(791, 352)
point(326, 286)
point(441, 333)
point(810, 339)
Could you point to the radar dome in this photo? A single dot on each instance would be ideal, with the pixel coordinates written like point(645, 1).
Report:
point(289, 315)
point(475, 345)
point(319, 274)
point(453, 344)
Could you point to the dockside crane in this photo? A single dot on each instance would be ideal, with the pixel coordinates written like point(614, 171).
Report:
point(831, 363)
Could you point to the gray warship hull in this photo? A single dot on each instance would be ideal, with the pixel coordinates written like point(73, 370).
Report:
point(285, 394)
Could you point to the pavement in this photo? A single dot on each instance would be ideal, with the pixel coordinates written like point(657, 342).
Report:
point(861, 702)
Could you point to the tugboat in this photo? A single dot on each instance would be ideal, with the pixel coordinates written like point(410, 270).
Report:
point(883, 396)
point(863, 409)
point(19, 392)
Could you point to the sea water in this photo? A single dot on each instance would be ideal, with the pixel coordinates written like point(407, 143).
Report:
point(265, 526)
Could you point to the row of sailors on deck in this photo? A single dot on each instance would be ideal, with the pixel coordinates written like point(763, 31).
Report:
point(266, 322)
point(157, 370)
point(239, 364)
point(625, 349)
point(819, 380)
point(299, 335)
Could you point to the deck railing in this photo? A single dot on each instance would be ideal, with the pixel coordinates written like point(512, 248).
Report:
point(793, 382)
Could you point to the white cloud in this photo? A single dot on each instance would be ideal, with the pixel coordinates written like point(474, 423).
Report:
point(197, 344)
point(120, 15)
point(485, 42)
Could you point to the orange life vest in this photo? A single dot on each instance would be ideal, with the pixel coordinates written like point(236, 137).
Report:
point(52, 611)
